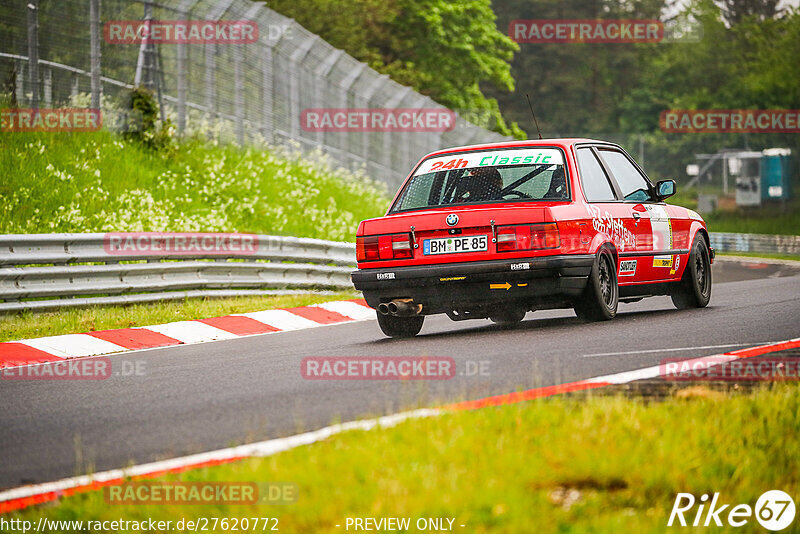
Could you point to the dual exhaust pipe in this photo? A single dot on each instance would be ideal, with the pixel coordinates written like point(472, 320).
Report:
point(400, 308)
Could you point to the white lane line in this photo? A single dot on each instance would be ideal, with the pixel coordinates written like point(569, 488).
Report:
point(281, 319)
point(656, 371)
point(348, 309)
point(679, 349)
point(73, 345)
point(191, 331)
point(260, 449)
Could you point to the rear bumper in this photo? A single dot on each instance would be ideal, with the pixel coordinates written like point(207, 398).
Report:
point(441, 288)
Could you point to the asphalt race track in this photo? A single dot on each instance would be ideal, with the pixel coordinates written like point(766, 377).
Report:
point(195, 398)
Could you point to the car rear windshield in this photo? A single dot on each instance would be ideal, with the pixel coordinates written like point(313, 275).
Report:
point(523, 175)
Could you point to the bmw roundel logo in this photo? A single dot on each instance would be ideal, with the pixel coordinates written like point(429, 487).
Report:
point(451, 219)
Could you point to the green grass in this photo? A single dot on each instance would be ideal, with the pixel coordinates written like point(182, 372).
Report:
point(98, 182)
point(767, 219)
point(24, 325)
point(600, 465)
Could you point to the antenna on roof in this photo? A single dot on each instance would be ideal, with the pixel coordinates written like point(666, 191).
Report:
point(534, 115)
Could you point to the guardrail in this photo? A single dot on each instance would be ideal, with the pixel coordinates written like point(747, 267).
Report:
point(46, 271)
point(774, 244)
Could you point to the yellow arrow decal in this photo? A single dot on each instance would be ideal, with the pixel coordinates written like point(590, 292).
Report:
point(505, 286)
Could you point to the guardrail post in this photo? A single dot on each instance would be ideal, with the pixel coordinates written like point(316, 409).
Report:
point(33, 51)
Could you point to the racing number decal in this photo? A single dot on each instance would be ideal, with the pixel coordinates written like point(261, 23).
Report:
point(661, 227)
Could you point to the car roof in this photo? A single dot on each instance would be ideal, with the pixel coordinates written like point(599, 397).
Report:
point(559, 142)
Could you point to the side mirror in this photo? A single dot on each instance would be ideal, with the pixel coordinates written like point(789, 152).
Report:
point(665, 189)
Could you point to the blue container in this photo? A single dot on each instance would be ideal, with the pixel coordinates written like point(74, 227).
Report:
point(776, 174)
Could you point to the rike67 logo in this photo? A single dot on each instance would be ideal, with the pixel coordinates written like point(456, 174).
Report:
point(774, 510)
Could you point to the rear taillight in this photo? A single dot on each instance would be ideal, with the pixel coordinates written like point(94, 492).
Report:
point(383, 247)
point(527, 237)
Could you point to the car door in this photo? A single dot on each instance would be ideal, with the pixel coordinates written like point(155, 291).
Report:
point(607, 214)
point(654, 252)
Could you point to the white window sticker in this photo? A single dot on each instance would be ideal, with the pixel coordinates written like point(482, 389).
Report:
point(545, 156)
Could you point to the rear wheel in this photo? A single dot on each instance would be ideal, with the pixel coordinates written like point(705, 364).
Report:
point(394, 326)
point(508, 317)
point(601, 297)
point(694, 289)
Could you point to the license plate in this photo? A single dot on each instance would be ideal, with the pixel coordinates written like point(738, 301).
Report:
point(452, 245)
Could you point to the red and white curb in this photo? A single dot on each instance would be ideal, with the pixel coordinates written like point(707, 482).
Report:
point(68, 346)
point(25, 496)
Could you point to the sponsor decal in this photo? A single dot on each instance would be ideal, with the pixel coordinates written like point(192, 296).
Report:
point(492, 159)
point(730, 121)
point(662, 261)
point(377, 120)
point(520, 266)
point(677, 264)
point(661, 226)
point(452, 278)
point(627, 267)
point(385, 276)
point(504, 285)
point(614, 228)
point(586, 31)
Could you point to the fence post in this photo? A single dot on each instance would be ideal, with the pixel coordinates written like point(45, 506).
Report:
point(75, 89)
point(322, 72)
point(266, 94)
point(238, 91)
point(48, 87)
point(33, 51)
point(390, 147)
point(185, 7)
point(294, 83)
point(211, 82)
point(97, 84)
point(20, 78)
point(181, 85)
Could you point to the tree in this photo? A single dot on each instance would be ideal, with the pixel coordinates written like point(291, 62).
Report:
point(446, 50)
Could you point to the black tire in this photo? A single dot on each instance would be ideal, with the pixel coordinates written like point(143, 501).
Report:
point(694, 289)
point(601, 297)
point(508, 317)
point(394, 326)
